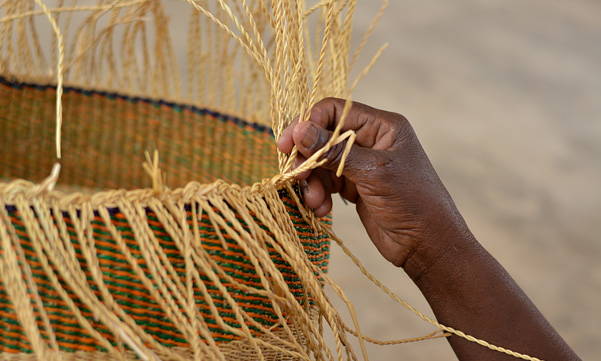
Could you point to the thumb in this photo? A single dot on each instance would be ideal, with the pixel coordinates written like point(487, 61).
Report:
point(309, 138)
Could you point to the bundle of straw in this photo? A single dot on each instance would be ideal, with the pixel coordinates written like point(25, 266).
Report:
point(218, 259)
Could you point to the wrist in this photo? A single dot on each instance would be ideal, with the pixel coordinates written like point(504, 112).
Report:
point(437, 255)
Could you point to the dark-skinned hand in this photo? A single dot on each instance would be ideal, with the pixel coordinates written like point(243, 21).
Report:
point(398, 195)
point(412, 220)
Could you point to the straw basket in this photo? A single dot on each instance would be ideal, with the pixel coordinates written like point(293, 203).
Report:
point(207, 254)
point(158, 262)
point(107, 252)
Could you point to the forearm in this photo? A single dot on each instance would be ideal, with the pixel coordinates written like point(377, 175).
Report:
point(469, 290)
point(412, 220)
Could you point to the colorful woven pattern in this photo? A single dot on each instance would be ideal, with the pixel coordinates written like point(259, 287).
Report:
point(105, 136)
point(208, 253)
point(132, 295)
point(194, 142)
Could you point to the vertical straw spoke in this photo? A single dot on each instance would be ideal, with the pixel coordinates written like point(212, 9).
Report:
point(201, 272)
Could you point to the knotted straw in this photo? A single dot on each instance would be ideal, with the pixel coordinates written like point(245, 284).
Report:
point(282, 67)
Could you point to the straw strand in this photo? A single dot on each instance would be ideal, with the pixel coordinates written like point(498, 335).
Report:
point(209, 270)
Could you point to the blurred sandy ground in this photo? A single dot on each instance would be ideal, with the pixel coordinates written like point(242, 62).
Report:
point(505, 96)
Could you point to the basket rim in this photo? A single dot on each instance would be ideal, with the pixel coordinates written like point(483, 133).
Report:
point(18, 190)
point(13, 189)
point(226, 116)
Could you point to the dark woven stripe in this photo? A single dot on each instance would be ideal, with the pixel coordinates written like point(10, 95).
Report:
point(195, 143)
point(135, 99)
point(130, 293)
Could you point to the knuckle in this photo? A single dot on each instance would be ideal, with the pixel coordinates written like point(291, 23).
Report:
point(397, 121)
point(331, 101)
point(326, 111)
point(316, 112)
point(401, 128)
point(370, 120)
point(325, 103)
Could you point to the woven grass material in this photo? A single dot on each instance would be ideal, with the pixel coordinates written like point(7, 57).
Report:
point(134, 256)
point(106, 134)
point(218, 259)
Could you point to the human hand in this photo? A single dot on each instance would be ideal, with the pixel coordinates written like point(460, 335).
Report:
point(405, 208)
point(412, 220)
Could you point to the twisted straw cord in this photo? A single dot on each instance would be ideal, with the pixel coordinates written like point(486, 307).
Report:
point(59, 73)
point(411, 308)
point(367, 34)
point(431, 336)
point(175, 292)
point(248, 46)
point(69, 9)
point(317, 159)
point(221, 189)
point(16, 289)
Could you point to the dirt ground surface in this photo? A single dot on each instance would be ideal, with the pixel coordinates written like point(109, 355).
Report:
point(505, 96)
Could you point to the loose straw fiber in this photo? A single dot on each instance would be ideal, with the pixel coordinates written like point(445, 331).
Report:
point(206, 253)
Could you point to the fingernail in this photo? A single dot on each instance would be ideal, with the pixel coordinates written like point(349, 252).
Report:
point(311, 135)
point(304, 186)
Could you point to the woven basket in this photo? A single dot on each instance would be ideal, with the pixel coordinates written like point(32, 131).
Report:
point(207, 254)
point(102, 143)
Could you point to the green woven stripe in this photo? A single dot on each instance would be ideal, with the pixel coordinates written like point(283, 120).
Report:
point(130, 292)
point(193, 145)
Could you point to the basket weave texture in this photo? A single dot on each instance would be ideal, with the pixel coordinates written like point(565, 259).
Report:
point(193, 141)
point(209, 253)
point(105, 135)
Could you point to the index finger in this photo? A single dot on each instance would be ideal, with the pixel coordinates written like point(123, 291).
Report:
point(363, 119)
point(286, 142)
